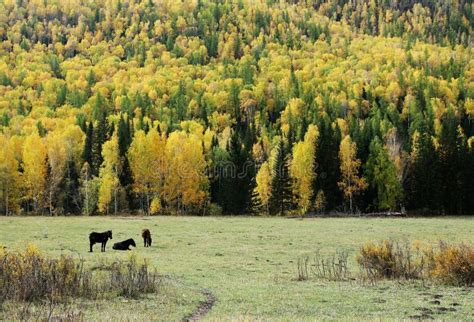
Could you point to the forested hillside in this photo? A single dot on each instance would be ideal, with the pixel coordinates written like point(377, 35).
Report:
point(236, 107)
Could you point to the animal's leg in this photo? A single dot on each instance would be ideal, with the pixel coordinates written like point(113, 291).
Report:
point(91, 244)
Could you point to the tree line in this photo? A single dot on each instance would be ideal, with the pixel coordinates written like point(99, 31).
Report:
point(231, 107)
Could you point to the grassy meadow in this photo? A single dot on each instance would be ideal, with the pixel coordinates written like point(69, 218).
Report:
point(250, 265)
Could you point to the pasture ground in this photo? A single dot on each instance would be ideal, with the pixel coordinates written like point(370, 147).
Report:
point(249, 265)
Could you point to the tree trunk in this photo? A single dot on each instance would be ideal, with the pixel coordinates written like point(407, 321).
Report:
point(51, 203)
point(6, 202)
point(115, 201)
point(350, 203)
point(147, 209)
point(87, 197)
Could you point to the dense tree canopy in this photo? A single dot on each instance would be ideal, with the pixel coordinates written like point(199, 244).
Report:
point(198, 107)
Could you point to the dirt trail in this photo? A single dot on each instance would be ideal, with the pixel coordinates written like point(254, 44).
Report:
point(204, 307)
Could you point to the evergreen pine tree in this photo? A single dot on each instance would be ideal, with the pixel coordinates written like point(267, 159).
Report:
point(234, 101)
point(469, 175)
point(281, 199)
point(100, 136)
point(87, 151)
point(124, 141)
point(295, 87)
point(382, 177)
point(220, 168)
point(99, 107)
point(69, 188)
point(237, 182)
point(327, 168)
point(451, 165)
point(423, 183)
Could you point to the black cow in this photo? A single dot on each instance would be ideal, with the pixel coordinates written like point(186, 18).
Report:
point(102, 238)
point(124, 245)
point(146, 237)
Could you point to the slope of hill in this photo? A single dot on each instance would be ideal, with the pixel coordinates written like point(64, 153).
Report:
point(236, 107)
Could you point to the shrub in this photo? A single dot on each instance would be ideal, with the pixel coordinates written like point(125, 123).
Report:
point(453, 264)
point(332, 267)
point(450, 264)
point(29, 276)
point(302, 272)
point(391, 259)
point(133, 279)
point(215, 210)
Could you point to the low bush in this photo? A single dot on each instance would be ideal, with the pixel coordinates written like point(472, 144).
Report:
point(133, 279)
point(453, 264)
point(302, 268)
point(29, 276)
point(391, 259)
point(332, 267)
point(450, 264)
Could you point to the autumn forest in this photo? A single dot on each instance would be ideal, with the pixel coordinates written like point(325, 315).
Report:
point(236, 107)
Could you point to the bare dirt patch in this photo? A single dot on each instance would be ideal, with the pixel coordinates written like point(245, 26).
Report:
point(204, 307)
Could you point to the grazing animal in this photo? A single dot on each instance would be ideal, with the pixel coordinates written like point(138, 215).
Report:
point(124, 245)
point(146, 237)
point(101, 238)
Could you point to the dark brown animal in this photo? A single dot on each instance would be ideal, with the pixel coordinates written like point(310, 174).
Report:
point(124, 245)
point(101, 238)
point(146, 237)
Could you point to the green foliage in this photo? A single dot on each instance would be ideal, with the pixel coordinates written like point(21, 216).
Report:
point(382, 175)
point(281, 199)
point(259, 71)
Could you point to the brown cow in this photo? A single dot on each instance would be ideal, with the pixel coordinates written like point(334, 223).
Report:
point(146, 237)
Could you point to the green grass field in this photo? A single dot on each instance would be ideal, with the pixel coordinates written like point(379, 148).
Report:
point(249, 264)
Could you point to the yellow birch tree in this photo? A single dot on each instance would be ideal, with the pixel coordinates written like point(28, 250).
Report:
point(109, 172)
point(351, 183)
point(10, 178)
point(35, 168)
point(149, 166)
point(302, 169)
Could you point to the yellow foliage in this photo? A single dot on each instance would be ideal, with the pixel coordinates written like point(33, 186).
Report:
point(454, 264)
point(155, 206)
point(450, 264)
point(10, 178)
point(302, 168)
point(186, 181)
point(109, 171)
point(148, 163)
point(350, 183)
point(264, 185)
point(34, 164)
